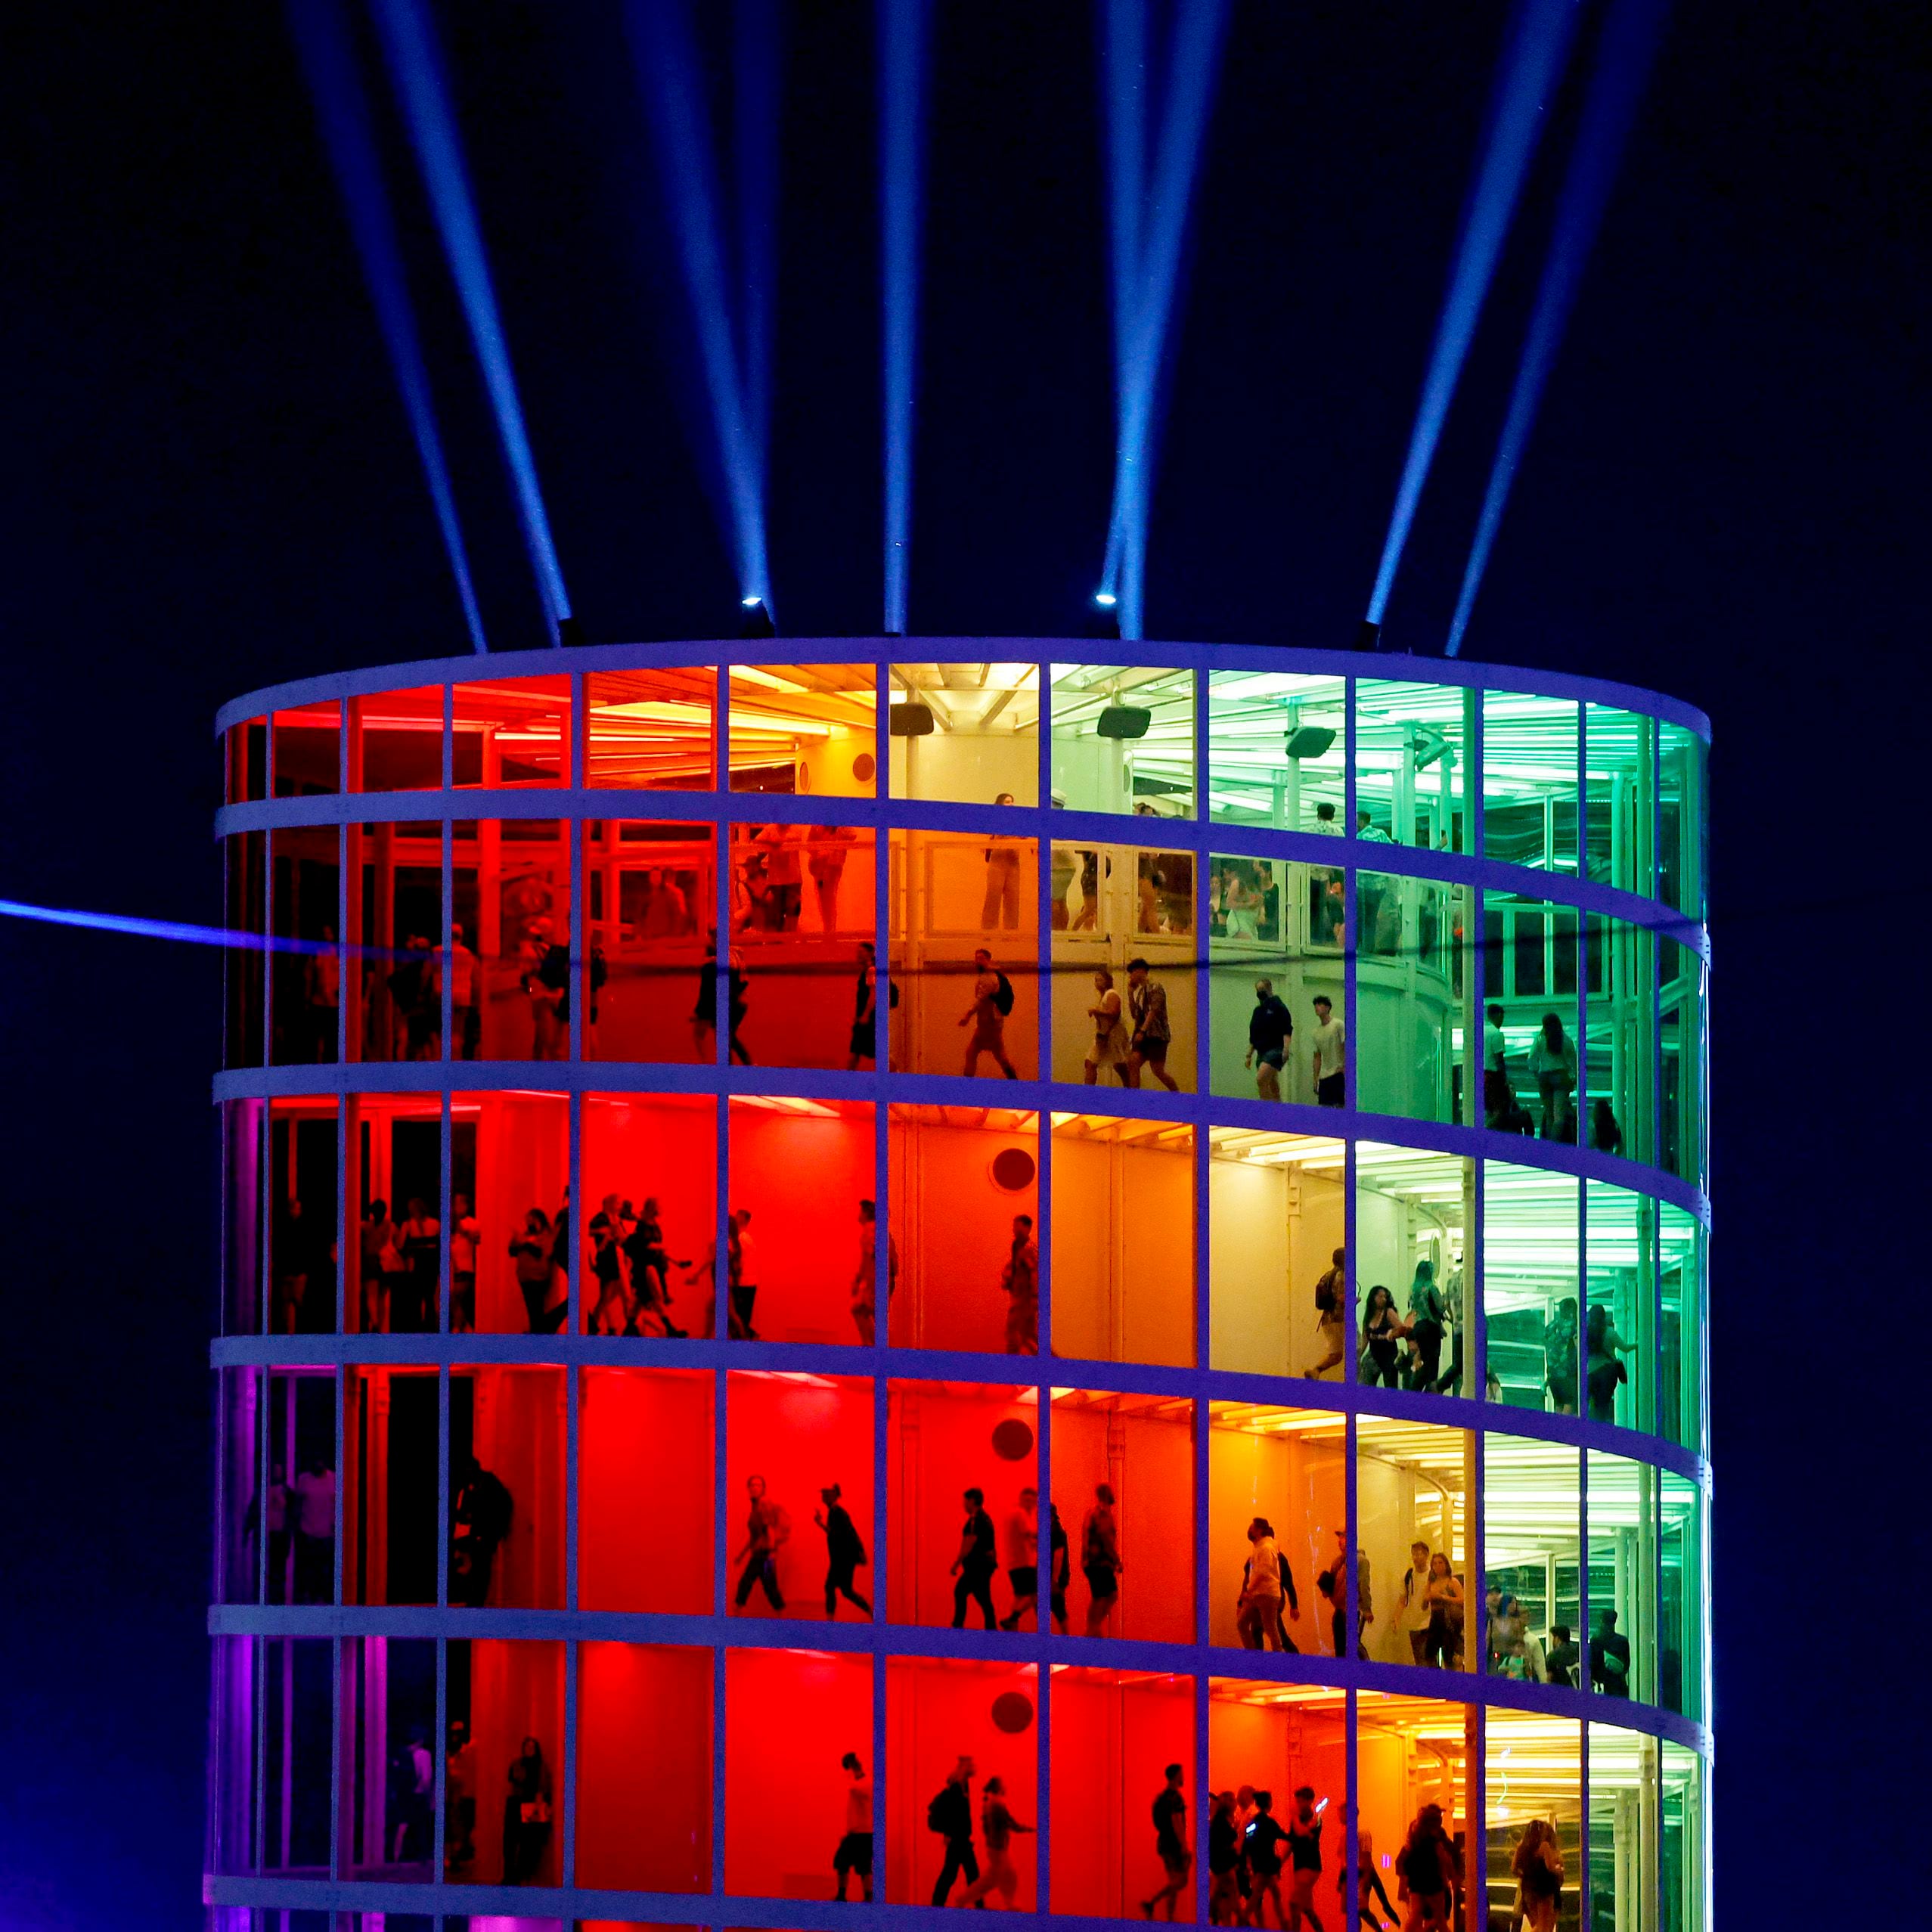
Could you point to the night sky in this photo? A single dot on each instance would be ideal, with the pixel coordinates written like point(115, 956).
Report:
point(209, 485)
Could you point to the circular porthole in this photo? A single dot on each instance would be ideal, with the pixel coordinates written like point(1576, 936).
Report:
point(1013, 1712)
point(801, 780)
point(1013, 1439)
point(1013, 1170)
point(863, 766)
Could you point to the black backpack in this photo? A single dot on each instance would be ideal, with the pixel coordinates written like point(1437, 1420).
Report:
point(1002, 994)
point(939, 1811)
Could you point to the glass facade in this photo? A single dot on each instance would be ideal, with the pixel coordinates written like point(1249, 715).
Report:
point(770, 1262)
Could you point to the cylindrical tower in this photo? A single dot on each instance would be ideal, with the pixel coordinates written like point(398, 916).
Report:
point(738, 1157)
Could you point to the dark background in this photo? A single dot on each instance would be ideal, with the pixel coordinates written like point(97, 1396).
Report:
point(209, 486)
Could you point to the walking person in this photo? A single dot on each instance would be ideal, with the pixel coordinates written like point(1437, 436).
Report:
point(865, 1275)
point(1100, 1559)
point(976, 1564)
point(1427, 1313)
point(1304, 1859)
point(767, 1529)
point(1019, 1280)
point(1270, 1031)
point(1152, 1033)
point(1170, 1844)
point(744, 1276)
point(529, 1253)
point(1430, 1873)
point(1267, 1583)
point(1603, 1369)
point(950, 1814)
point(1559, 1356)
point(1382, 1332)
point(863, 1045)
point(1411, 1602)
point(1442, 1648)
point(465, 1232)
point(1497, 1099)
point(1553, 1063)
point(992, 1001)
point(1261, 1850)
point(1109, 1047)
point(1331, 1317)
point(844, 1557)
point(480, 1512)
point(1537, 1867)
point(997, 1825)
point(1224, 1902)
point(1059, 1568)
point(1327, 1068)
point(831, 845)
point(1022, 1538)
point(854, 1850)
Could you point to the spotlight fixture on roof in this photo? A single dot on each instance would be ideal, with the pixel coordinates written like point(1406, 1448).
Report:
point(1368, 635)
point(755, 619)
point(569, 632)
point(1103, 621)
point(912, 718)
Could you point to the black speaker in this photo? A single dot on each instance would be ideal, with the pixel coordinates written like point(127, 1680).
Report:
point(911, 719)
point(1124, 721)
point(1309, 740)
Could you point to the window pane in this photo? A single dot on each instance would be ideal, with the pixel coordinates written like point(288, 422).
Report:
point(1123, 1249)
point(1412, 1771)
point(1620, 751)
point(965, 1220)
point(245, 761)
point(1276, 751)
point(1279, 1738)
point(1622, 1577)
point(955, 895)
point(388, 1808)
point(650, 1196)
point(1683, 818)
point(1684, 1853)
point(1111, 905)
point(1123, 740)
point(308, 751)
point(1277, 1492)
point(651, 894)
point(1114, 1733)
point(389, 1486)
point(395, 741)
point(630, 1420)
point(395, 922)
point(1619, 1345)
point(1532, 1493)
point(305, 985)
point(509, 1177)
point(394, 1190)
point(1414, 1484)
point(1411, 763)
point(807, 729)
point(513, 731)
point(790, 1438)
point(1276, 920)
point(242, 979)
point(1415, 993)
point(1532, 1836)
point(1681, 1264)
point(503, 1792)
point(966, 733)
point(804, 927)
point(1532, 1065)
point(1682, 1149)
point(1682, 1662)
point(943, 1439)
point(625, 1693)
point(1622, 1060)
point(1276, 1219)
point(1411, 1211)
point(652, 730)
point(1529, 780)
point(1623, 1827)
point(510, 890)
point(298, 1716)
point(1531, 1243)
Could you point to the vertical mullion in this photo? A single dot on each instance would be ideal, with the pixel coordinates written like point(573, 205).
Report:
point(1475, 1860)
point(1043, 1555)
point(720, 1284)
point(566, 1778)
point(881, 1269)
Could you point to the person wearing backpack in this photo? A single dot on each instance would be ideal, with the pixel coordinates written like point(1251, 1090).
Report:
point(1426, 1313)
point(1331, 1330)
point(950, 1814)
point(992, 1001)
point(1430, 1871)
point(480, 1515)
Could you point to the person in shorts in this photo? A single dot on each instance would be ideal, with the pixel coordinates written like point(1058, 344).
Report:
point(1331, 1055)
point(1270, 1028)
point(1152, 1032)
point(1170, 1843)
point(986, 1018)
point(1430, 1871)
point(854, 1852)
point(1022, 1542)
point(1305, 1860)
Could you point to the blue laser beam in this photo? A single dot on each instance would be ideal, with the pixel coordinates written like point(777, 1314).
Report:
point(903, 29)
point(1534, 53)
point(343, 112)
point(1625, 50)
point(1147, 211)
point(179, 930)
point(732, 340)
point(415, 71)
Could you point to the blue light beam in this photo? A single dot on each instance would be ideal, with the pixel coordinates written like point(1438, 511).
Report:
point(734, 341)
point(1148, 214)
point(1533, 57)
point(1625, 51)
point(343, 112)
point(416, 71)
point(180, 932)
point(904, 45)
